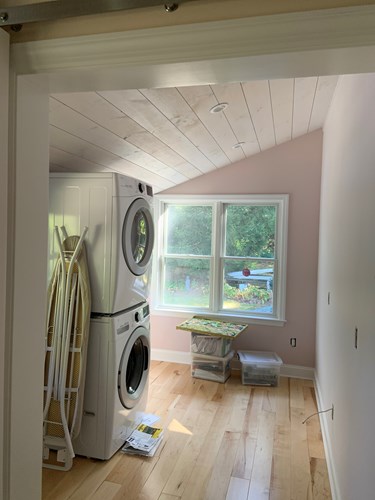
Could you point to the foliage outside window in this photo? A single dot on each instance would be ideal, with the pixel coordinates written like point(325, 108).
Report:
point(223, 257)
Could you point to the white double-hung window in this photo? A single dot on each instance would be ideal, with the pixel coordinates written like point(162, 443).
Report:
point(223, 256)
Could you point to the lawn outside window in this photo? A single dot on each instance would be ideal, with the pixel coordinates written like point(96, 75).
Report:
point(221, 256)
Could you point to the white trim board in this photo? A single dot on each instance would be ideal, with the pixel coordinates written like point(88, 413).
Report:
point(251, 36)
point(293, 371)
point(329, 41)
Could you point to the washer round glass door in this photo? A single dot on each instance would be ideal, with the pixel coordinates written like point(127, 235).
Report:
point(133, 369)
point(138, 236)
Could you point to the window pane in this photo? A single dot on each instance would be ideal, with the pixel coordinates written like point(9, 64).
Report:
point(189, 229)
point(250, 231)
point(248, 286)
point(186, 282)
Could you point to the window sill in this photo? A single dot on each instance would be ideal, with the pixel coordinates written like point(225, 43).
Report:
point(253, 320)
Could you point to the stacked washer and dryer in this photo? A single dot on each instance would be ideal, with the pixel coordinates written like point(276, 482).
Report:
point(118, 212)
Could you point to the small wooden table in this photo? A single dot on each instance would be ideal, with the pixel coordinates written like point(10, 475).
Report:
point(210, 357)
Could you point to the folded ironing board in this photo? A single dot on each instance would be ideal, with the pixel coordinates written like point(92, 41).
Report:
point(68, 321)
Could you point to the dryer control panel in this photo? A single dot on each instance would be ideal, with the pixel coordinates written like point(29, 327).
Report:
point(131, 319)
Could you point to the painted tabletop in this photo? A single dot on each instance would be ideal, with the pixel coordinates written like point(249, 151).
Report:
point(212, 327)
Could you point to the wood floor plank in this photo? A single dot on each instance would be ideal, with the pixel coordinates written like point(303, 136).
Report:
point(183, 469)
point(132, 483)
point(201, 474)
point(106, 490)
point(126, 468)
point(156, 368)
point(282, 396)
point(301, 484)
point(97, 476)
point(320, 480)
point(221, 473)
point(314, 434)
point(260, 481)
point(281, 459)
point(158, 478)
point(269, 399)
point(237, 489)
point(71, 480)
point(50, 480)
point(237, 419)
point(296, 393)
point(168, 378)
point(243, 464)
point(281, 463)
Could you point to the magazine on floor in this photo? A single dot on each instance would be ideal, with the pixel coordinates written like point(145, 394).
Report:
point(144, 440)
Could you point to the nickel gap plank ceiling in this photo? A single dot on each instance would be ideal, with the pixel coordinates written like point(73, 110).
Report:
point(170, 135)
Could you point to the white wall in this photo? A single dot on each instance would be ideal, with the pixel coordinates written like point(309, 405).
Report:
point(346, 376)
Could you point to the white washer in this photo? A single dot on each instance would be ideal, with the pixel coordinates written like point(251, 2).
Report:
point(116, 382)
point(118, 213)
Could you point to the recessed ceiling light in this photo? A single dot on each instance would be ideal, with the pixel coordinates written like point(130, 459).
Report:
point(218, 108)
point(238, 145)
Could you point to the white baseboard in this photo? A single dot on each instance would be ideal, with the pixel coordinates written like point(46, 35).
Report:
point(171, 356)
point(324, 420)
point(294, 371)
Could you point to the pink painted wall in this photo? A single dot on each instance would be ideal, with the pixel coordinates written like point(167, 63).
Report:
point(292, 168)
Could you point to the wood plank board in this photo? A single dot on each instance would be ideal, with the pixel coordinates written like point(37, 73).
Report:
point(75, 163)
point(258, 100)
point(173, 105)
point(304, 93)
point(300, 482)
point(238, 116)
point(106, 490)
point(221, 473)
point(91, 152)
point(202, 99)
point(260, 481)
point(100, 111)
point(237, 489)
point(136, 106)
point(314, 434)
point(325, 89)
point(282, 92)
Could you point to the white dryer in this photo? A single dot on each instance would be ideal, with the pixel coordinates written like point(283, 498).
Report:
point(118, 213)
point(116, 381)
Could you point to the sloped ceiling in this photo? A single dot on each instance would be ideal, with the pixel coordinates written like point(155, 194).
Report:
point(168, 136)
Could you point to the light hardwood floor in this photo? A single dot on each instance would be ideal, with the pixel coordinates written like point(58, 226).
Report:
point(222, 441)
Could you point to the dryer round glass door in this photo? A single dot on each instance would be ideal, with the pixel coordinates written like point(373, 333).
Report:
point(133, 369)
point(138, 236)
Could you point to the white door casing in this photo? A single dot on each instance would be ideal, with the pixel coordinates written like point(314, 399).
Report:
point(287, 45)
point(4, 92)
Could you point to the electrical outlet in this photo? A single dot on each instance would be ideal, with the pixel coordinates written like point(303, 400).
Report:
point(356, 338)
point(293, 342)
point(332, 411)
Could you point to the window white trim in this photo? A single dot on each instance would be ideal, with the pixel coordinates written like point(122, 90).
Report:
point(218, 202)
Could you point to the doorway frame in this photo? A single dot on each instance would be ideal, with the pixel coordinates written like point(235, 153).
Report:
point(333, 41)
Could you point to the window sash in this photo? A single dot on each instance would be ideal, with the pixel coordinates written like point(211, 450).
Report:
point(218, 256)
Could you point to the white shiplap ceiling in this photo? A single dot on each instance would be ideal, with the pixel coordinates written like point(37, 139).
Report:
point(168, 136)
